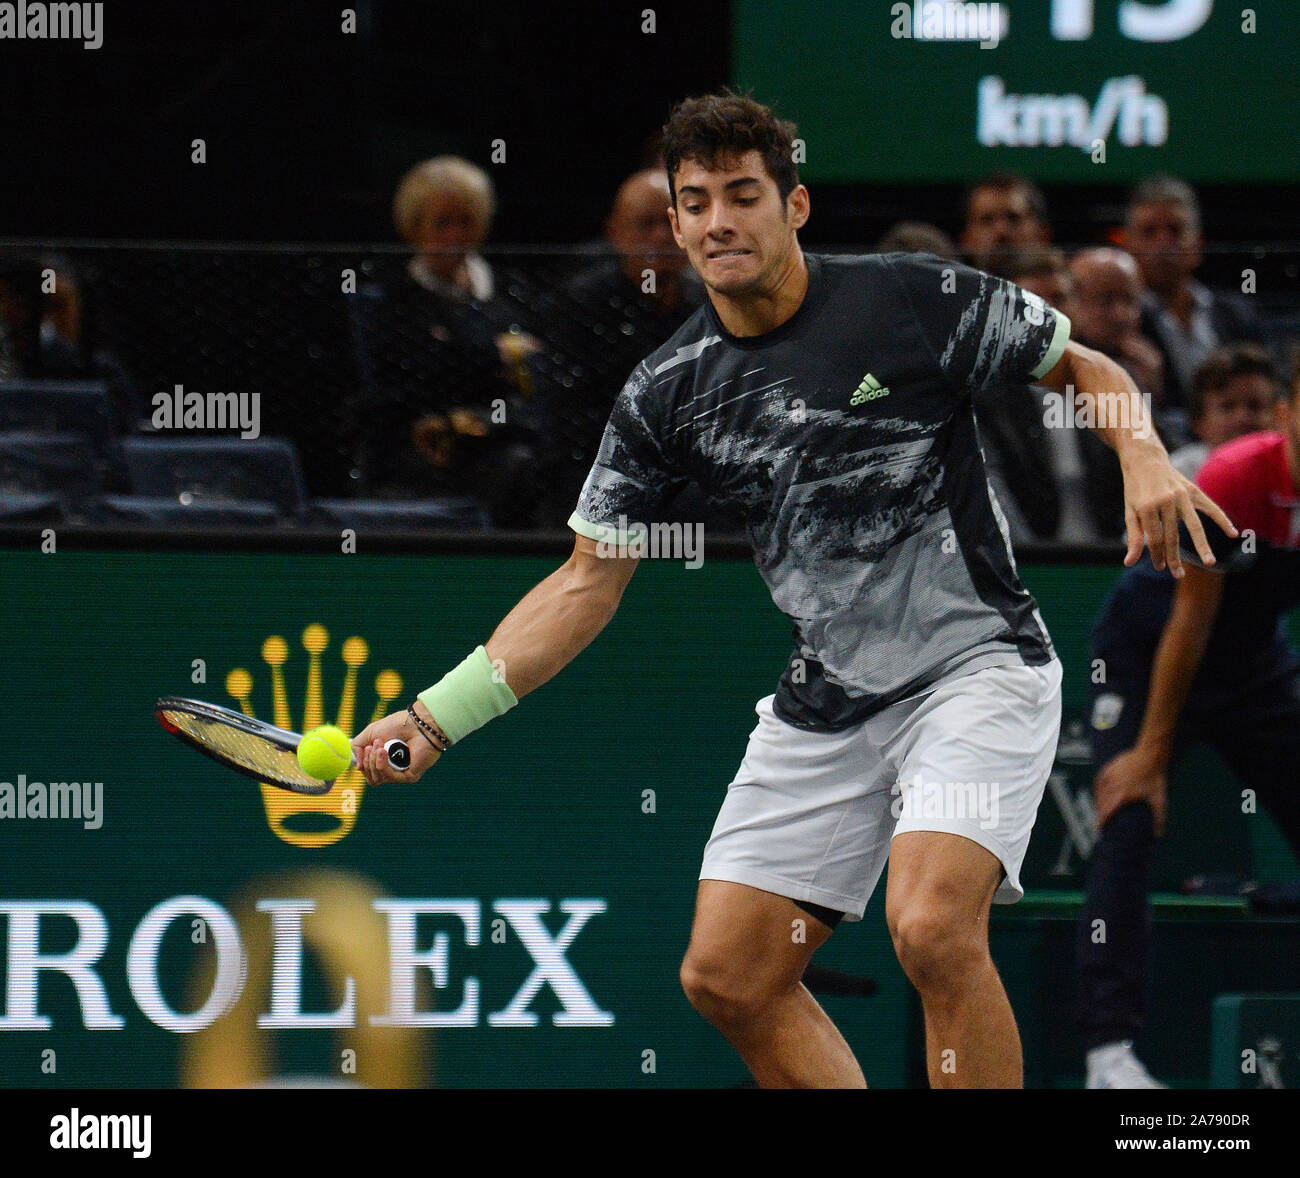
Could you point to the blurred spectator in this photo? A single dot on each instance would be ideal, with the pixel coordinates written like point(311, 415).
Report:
point(917, 237)
point(1107, 287)
point(1235, 392)
point(20, 318)
point(1184, 319)
point(68, 347)
point(61, 307)
point(444, 208)
point(1042, 269)
point(443, 351)
point(1005, 214)
point(612, 317)
point(1107, 313)
point(647, 260)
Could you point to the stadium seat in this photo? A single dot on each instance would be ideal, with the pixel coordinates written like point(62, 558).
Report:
point(61, 464)
point(222, 469)
point(452, 513)
point(31, 509)
point(110, 511)
point(60, 406)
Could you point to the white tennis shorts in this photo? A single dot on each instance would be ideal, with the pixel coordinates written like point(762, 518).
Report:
point(810, 815)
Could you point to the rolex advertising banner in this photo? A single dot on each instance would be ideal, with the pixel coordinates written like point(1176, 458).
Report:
point(1091, 91)
point(516, 918)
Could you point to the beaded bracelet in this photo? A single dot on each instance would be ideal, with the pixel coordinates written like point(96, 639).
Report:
point(429, 733)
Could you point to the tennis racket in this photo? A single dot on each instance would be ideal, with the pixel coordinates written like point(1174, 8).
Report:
point(252, 747)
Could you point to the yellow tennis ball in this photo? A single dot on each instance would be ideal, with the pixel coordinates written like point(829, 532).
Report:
point(324, 753)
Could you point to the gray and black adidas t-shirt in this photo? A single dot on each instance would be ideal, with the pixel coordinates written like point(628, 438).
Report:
point(847, 437)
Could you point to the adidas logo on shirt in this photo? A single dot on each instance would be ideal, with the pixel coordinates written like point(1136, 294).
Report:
point(868, 390)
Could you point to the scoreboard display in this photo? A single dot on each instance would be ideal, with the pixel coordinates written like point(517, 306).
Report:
point(1089, 91)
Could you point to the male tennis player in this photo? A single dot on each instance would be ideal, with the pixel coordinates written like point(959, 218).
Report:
point(831, 399)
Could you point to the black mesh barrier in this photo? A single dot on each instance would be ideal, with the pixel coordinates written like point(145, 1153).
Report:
point(486, 408)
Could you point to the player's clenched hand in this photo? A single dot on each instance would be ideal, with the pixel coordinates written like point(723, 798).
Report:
point(368, 746)
point(1156, 497)
point(1135, 775)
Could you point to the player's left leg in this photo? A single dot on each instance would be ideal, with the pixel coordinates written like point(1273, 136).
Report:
point(973, 756)
point(937, 905)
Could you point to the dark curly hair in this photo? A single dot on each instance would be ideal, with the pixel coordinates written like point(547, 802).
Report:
point(729, 124)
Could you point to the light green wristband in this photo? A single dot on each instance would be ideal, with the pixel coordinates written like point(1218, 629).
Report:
point(468, 696)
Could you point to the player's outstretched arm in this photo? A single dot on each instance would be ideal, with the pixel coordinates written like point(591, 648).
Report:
point(559, 618)
point(555, 620)
point(1156, 496)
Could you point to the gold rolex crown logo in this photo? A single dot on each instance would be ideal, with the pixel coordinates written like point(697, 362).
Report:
point(343, 802)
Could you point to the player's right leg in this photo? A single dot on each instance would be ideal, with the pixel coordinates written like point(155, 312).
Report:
point(748, 950)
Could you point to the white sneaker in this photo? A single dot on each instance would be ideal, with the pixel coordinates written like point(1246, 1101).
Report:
point(1115, 1066)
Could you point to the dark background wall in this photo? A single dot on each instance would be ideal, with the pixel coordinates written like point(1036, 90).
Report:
point(308, 129)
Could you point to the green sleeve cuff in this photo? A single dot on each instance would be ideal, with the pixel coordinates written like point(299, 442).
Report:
point(1060, 337)
point(468, 696)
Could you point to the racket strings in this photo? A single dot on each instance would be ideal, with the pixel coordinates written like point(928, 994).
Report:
point(268, 761)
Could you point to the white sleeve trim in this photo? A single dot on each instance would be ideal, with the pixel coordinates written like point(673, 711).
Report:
point(622, 535)
point(1060, 337)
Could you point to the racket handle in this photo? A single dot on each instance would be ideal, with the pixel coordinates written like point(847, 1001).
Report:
point(399, 755)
